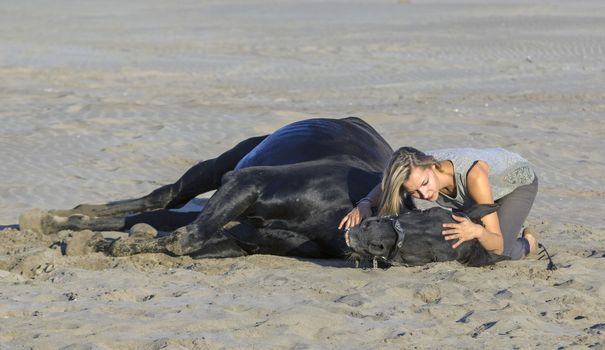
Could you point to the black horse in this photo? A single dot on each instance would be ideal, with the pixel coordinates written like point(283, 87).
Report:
point(415, 238)
point(281, 194)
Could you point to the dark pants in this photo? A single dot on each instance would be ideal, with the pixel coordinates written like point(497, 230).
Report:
point(514, 208)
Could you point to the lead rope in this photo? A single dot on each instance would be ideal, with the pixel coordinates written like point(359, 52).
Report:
point(544, 253)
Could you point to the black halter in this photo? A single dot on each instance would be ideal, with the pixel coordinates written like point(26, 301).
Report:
point(398, 243)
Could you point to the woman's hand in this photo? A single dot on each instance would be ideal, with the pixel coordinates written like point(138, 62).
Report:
point(355, 216)
point(463, 231)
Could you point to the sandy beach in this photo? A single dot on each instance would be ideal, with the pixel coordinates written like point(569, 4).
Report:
point(107, 100)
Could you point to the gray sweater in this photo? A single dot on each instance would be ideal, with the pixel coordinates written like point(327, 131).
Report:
point(508, 171)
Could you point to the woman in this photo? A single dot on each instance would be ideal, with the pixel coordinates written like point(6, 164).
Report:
point(458, 179)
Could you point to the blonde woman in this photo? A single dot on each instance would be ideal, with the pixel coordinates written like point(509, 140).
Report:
point(458, 179)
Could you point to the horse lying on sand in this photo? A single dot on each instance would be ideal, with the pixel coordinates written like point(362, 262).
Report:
point(281, 194)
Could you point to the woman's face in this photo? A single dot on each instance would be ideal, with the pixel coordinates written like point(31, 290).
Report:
point(423, 183)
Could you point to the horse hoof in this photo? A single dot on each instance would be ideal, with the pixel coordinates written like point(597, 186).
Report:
point(143, 231)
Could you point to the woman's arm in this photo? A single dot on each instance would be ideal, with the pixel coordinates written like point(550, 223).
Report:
point(374, 195)
point(363, 208)
point(480, 191)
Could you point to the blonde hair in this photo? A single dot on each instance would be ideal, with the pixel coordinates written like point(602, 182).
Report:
point(396, 173)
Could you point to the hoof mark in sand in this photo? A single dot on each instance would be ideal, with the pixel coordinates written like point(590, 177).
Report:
point(596, 254)
point(44, 268)
point(71, 296)
point(353, 300)
point(509, 331)
point(148, 297)
point(483, 328)
point(596, 328)
point(504, 294)
point(561, 284)
point(465, 318)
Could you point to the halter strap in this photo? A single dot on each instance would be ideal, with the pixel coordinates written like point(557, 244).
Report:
point(400, 237)
point(398, 244)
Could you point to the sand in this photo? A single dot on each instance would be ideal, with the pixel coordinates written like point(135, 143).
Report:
point(108, 100)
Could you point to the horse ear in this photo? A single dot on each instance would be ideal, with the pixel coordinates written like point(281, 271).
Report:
point(477, 211)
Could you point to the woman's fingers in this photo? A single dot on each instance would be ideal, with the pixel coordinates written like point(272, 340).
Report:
point(350, 220)
point(354, 217)
point(344, 222)
point(453, 228)
point(457, 230)
point(455, 235)
point(448, 233)
point(460, 241)
point(354, 221)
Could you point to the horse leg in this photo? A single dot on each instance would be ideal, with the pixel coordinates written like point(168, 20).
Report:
point(163, 220)
point(203, 177)
point(204, 236)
